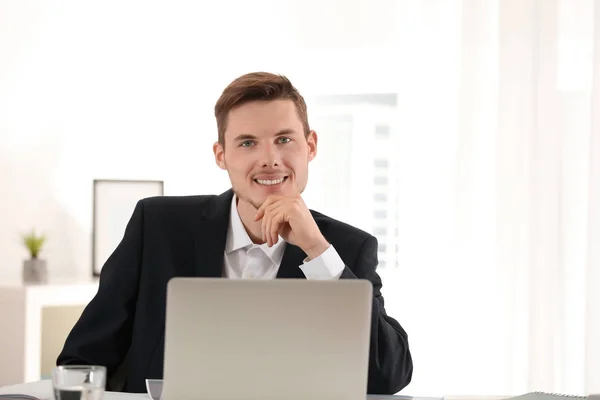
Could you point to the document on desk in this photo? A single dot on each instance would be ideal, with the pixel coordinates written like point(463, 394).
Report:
point(41, 390)
point(547, 396)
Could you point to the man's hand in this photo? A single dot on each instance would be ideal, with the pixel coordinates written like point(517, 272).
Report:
point(290, 218)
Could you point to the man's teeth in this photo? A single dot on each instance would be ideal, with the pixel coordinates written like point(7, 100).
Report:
point(268, 182)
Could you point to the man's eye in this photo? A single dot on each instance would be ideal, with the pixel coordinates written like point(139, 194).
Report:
point(246, 143)
point(284, 140)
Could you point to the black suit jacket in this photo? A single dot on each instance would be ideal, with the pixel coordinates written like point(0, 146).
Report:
point(185, 236)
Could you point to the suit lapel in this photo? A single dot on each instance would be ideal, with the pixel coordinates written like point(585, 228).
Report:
point(293, 257)
point(211, 236)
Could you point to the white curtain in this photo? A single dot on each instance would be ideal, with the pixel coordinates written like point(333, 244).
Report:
point(496, 155)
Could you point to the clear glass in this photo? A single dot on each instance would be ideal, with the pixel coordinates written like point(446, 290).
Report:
point(79, 382)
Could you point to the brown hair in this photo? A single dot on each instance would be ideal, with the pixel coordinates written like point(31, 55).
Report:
point(257, 86)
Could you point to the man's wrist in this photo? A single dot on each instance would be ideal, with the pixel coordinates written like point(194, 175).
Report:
point(317, 249)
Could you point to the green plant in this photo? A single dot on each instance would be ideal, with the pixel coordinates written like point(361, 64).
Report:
point(34, 243)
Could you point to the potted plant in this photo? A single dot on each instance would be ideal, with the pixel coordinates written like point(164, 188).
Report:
point(35, 269)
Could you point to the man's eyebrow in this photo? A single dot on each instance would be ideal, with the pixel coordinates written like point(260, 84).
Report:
point(245, 136)
point(284, 132)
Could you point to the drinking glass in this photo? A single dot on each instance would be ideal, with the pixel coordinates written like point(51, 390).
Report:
point(79, 382)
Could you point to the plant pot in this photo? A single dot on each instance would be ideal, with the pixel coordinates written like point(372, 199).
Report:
point(35, 271)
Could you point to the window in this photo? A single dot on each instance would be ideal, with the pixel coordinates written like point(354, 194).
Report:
point(380, 180)
point(380, 231)
point(382, 131)
point(380, 197)
point(380, 214)
point(368, 139)
point(381, 163)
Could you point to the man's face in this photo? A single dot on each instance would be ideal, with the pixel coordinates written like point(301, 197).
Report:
point(266, 151)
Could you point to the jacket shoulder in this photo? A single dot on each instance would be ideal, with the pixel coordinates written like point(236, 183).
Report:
point(175, 216)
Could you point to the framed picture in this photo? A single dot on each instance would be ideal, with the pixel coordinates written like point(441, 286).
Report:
point(113, 205)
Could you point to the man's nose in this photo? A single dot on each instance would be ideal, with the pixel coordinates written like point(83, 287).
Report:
point(269, 157)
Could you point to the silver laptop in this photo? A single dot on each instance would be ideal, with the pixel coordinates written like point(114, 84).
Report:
point(266, 339)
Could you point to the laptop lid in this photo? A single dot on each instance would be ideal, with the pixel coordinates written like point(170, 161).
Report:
point(266, 339)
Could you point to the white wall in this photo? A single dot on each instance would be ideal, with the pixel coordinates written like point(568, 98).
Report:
point(125, 90)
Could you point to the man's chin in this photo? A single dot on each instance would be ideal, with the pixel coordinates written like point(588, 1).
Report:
point(254, 201)
point(259, 194)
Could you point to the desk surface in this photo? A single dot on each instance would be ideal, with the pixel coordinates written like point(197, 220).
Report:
point(43, 390)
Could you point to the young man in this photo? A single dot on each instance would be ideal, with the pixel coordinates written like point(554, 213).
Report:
point(261, 229)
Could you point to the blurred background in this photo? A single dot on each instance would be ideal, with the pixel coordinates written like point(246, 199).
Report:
point(465, 135)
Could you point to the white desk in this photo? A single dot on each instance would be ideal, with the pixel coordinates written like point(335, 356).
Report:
point(43, 391)
point(35, 322)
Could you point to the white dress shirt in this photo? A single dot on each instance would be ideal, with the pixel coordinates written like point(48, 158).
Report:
point(246, 260)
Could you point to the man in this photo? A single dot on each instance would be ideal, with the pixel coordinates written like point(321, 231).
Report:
point(261, 229)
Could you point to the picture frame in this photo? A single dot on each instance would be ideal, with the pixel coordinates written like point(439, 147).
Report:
point(113, 203)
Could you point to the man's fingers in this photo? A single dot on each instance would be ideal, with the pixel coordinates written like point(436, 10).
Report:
point(260, 213)
point(276, 221)
point(266, 225)
point(270, 223)
point(274, 231)
point(263, 221)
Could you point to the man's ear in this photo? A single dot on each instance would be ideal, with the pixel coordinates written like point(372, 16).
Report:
point(219, 152)
point(311, 140)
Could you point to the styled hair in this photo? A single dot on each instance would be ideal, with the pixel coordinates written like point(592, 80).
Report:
point(257, 86)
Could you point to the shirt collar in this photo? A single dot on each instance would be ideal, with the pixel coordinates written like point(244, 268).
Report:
point(237, 237)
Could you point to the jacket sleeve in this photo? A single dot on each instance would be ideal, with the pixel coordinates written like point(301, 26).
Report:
point(102, 335)
point(390, 362)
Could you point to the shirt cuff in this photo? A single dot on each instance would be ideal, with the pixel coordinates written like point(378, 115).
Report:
point(328, 266)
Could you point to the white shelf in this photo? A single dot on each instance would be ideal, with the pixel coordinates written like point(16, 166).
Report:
point(35, 321)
